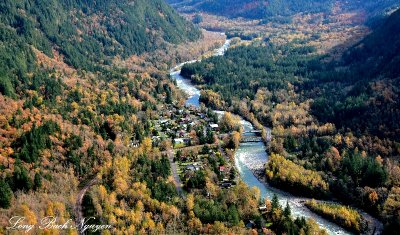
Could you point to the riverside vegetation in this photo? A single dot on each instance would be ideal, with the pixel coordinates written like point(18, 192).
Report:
point(333, 120)
point(345, 216)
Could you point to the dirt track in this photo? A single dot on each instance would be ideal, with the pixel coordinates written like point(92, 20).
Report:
point(78, 204)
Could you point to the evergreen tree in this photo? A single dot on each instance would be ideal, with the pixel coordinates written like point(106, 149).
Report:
point(169, 98)
point(275, 202)
point(233, 215)
point(197, 19)
point(5, 194)
point(37, 181)
point(287, 211)
point(20, 179)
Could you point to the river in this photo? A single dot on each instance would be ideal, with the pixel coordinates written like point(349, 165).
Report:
point(252, 156)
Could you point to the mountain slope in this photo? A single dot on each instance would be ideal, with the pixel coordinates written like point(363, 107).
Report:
point(367, 84)
point(259, 9)
point(252, 9)
point(379, 52)
point(86, 33)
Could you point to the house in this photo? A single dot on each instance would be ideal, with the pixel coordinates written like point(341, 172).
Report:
point(214, 127)
point(221, 169)
point(164, 121)
point(179, 141)
point(226, 185)
point(192, 167)
point(134, 143)
point(181, 133)
point(250, 224)
point(262, 208)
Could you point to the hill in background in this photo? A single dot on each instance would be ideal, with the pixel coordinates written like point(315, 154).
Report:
point(260, 9)
point(86, 34)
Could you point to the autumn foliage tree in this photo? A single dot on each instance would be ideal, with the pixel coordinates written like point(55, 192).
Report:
point(295, 178)
point(345, 216)
point(229, 122)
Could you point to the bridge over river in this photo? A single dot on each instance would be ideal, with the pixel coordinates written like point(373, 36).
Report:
point(251, 136)
point(249, 139)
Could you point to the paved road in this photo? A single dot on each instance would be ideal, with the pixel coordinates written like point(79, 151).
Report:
point(174, 169)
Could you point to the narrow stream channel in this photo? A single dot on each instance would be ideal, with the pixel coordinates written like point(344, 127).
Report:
point(250, 156)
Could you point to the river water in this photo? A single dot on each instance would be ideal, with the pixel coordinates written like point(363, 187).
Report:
point(250, 156)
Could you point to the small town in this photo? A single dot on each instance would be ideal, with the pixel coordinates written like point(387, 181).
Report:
point(201, 140)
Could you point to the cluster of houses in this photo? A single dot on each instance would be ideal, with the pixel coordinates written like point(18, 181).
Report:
point(177, 123)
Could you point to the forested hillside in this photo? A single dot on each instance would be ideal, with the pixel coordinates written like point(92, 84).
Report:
point(338, 119)
point(86, 34)
point(365, 84)
point(260, 9)
point(67, 111)
point(253, 9)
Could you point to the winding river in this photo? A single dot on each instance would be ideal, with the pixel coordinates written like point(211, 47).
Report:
point(252, 156)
